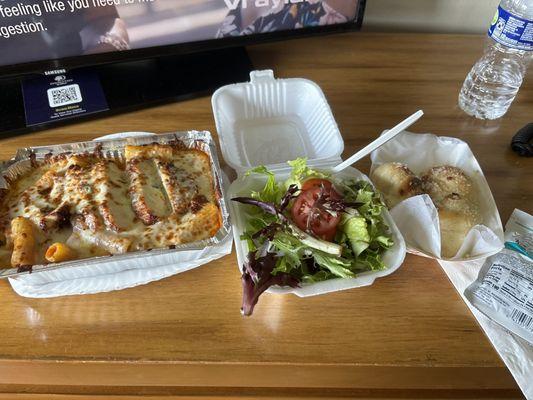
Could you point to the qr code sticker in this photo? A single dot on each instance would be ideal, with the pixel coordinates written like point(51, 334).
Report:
point(64, 95)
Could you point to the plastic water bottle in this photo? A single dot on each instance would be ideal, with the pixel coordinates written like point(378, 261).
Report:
point(492, 84)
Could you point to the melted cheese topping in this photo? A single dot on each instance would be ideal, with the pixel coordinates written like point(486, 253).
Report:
point(161, 196)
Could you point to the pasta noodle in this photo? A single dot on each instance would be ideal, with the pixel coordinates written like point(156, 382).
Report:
point(59, 252)
point(23, 242)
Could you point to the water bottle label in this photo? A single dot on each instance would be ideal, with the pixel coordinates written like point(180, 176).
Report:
point(511, 30)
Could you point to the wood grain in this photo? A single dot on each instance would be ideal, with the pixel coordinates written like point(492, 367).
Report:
point(406, 335)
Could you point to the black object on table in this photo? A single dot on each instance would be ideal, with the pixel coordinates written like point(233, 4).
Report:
point(522, 141)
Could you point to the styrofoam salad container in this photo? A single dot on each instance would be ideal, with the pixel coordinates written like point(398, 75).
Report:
point(269, 121)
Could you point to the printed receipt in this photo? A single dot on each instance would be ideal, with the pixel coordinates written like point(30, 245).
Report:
point(504, 288)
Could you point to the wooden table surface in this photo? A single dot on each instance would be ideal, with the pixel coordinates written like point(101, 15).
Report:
point(408, 335)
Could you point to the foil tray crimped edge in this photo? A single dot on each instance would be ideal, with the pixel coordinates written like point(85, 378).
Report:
point(113, 148)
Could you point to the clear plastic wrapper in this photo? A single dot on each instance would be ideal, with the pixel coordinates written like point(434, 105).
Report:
point(503, 290)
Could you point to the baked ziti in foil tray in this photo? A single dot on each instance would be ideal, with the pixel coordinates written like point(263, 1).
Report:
point(79, 204)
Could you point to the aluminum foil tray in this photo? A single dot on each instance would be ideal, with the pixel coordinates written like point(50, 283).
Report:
point(114, 149)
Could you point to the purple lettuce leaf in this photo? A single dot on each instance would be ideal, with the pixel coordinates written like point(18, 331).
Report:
point(269, 208)
point(257, 277)
point(288, 196)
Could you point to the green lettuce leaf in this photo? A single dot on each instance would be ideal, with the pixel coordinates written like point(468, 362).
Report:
point(317, 277)
point(338, 266)
point(384, 241)
point(292, 250)
point(300, 172)
point(355, 229)
point(369, 260)
point(371, 209)
point(271, 192)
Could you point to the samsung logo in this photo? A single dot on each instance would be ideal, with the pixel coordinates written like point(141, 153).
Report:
point(55, 72)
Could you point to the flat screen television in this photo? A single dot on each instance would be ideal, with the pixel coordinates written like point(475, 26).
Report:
point(62, 60)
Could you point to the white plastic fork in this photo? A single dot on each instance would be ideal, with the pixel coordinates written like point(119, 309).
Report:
point(380, 141)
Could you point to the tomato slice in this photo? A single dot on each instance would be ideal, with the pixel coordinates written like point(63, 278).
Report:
point(323, 224)
point(316, 183)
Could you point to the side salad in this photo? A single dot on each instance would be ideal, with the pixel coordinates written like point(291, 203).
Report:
point(310, 228)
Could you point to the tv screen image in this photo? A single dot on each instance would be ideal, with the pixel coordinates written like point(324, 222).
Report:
point(40, 30)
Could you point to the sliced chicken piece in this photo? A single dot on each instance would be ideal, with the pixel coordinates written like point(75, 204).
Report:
point(146, 190)
point(180, 185)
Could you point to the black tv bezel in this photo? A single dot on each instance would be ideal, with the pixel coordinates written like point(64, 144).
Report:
point(39, 67)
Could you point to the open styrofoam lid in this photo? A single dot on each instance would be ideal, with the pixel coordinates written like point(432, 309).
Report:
point(269, 121)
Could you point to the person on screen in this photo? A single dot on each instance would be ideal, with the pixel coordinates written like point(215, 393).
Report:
point(260, 19)
point(85, 31)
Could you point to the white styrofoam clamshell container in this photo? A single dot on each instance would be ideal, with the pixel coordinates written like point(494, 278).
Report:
point(96, 276)
point(269, 121)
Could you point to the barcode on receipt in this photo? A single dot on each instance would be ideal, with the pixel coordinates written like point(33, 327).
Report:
point(64, 95)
